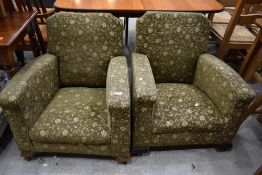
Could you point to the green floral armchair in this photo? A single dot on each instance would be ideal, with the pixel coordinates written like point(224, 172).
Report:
point(182, 95)
point(75, 99)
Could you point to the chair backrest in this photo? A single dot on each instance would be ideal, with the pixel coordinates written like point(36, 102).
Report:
point(173, 41)
point(242, 19)
point(84, 44)
point(29, 5)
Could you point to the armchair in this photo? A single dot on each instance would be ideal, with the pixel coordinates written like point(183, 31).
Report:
point(75, 98)
point(182, 95)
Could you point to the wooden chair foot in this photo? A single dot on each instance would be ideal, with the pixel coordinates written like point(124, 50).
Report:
point(224, 147)
point(140, 151)
point(27, 155)
point(259, 119)
point(123, 159)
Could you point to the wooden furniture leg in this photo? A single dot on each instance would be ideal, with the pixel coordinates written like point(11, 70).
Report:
point(20, 55)
point(123, 160)
point(6, 60)
point(27, 155)
point(33, 41)
point(126, 30)
point(258, 171)
point(39, 37)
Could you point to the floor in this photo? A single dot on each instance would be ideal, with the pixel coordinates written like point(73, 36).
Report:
point(243, 159)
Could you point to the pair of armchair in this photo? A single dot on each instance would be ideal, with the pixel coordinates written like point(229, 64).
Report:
point(76, 98)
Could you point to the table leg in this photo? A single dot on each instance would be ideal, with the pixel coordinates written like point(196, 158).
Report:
point(20, 55)
point(40, 37)
point(7, 61)
point(126, 30)
point(33, 41)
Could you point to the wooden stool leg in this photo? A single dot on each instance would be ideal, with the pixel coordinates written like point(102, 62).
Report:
point(27, 155)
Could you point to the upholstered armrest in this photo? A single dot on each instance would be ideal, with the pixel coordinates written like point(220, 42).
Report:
point(118, 103)
point(225, 87)
point(144, 87)
point(28, 93)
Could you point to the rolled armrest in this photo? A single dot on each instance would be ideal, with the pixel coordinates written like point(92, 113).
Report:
point(144, 87)
point(118, 103)
point(30, 90)
point(225, 88)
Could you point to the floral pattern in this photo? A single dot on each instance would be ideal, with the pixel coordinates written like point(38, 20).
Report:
point(183, 108)
point(172, 43)
point(47, 116)
point(75, 115)
point(229, 92)
point(207, 109)
point(27, 94)
point(118, 104)
point(84, 44)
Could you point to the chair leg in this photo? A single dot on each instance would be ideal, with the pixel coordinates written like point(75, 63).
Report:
point(224, 147)
point(221, 52)
point(123, 159)
point(140, 151)
point(27, 155)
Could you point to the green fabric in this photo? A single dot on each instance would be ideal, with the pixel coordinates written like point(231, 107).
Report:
point(19, 129)
point(77, 119)
point(118, 102)
point(27, 94)
point(144, 94)
point(230, 93)
point(183, 108)
point(208, 109)
point(75, 115)
point(184, 138)
point(173, 42)
point(31, 89)
point(84, 44)
point(103, 150)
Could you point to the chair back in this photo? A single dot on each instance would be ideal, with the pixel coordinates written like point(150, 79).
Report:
point(173, 41)
point(29, 5)
point(84, 44)
point(238, 18)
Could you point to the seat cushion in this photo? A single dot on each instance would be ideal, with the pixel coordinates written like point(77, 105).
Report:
point(222, 17)
point(184, 108)
point(75, 115)
point(240, 33)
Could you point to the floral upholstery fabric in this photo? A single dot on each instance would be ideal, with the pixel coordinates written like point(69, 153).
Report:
point(84, 44)
point(172, 42)
point(144, 94)
point(101, 150)
point(118, 105)
point(184, 108)
point(27, 94)
point(229, 92)
point(207, 109)
point(184, 138)
point(75, 115)
point(77, 99)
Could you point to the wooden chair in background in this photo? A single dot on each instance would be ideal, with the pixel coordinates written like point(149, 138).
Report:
point(42, 15)
point(235, 34)
point(249, 68)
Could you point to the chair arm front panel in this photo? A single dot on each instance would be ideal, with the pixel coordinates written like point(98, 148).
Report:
point(144, 94)
point(225, 88)
point(118, 104)
point(28, 93)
